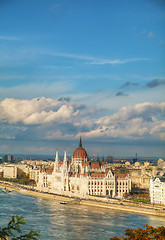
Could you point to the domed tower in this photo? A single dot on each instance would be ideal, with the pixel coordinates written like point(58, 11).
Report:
point(79, 158)
point(80, 152)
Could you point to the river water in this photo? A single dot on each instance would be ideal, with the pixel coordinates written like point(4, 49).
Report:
point(57, 221)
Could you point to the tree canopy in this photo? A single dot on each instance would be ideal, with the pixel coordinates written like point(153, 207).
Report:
point(13, 230)
point(149, 233)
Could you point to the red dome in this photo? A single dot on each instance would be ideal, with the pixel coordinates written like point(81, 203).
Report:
point(80, 152)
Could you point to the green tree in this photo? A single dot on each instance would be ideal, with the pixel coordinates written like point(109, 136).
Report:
point(13, 230)
point(149, 233)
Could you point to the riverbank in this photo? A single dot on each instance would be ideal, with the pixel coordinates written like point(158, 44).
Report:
point(92, 201)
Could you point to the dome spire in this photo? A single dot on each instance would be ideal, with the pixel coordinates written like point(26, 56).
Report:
point(80, 143)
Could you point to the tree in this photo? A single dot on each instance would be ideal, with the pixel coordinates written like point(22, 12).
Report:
point(13, 229)
point(149, 233)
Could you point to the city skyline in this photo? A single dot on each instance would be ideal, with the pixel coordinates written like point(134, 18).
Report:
point(81, 68)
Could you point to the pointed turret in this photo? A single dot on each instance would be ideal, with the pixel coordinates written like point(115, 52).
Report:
point(56, 160)
point(64, 165)
point(56, 163)
point(80, 143)
point(65, 157)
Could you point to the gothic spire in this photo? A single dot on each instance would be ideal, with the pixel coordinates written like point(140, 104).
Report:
point(56, 159)
point(80, 144)
point(56, 162)
point(64, 165)
point(65, 160)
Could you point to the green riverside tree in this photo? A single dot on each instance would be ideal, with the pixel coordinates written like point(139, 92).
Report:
point(13, 230)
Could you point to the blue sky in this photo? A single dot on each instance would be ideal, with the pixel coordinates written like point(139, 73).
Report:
point(82, 68)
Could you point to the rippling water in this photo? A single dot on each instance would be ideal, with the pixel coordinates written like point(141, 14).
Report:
point(56, 221)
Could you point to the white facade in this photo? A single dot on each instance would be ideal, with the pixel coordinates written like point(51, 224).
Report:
point(34, 174)
point(81, 178)
point(10, 171)
point(157, 190)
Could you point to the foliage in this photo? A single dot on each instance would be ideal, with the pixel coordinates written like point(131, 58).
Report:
point(139, 197)
point(14, 228)
point(126, 195)
point(149, 233)
point(21, 181)
point(140, 200)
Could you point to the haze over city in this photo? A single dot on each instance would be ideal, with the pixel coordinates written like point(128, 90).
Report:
point(93, 69)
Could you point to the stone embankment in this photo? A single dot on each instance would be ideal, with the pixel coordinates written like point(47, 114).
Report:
point(113, 204)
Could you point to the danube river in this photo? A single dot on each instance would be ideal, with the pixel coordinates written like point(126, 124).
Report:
point(57, 221)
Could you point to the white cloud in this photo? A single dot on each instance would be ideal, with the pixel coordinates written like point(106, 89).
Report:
point(117, 61)
point(96, 60)
point(38, 110)
point(19, 56)
point(131, 122)
point(146, 110)
point(64, 119)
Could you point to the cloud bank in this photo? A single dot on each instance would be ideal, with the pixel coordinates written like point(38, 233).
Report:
point(52, 119)
point(38, 110)
point(132, 122)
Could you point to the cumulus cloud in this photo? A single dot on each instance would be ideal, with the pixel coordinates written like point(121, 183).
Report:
point(155, 83)
point(131, 122)
point(38, 110)
point(50, 119)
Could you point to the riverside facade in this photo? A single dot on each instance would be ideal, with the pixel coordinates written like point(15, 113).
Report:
point(157, 190)
point(82, 178)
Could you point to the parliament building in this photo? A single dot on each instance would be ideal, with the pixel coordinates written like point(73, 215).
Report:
point(82, 178)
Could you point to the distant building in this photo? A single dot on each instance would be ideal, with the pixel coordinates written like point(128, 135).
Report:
point(157, 190)
point(34, 174)
point(7, 158)
point(140, 178)
point(83, 178)
point(10, 171)
point(161, 163)
point(137, 164)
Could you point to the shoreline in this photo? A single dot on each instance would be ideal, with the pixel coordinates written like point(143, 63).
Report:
point(95, 202)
